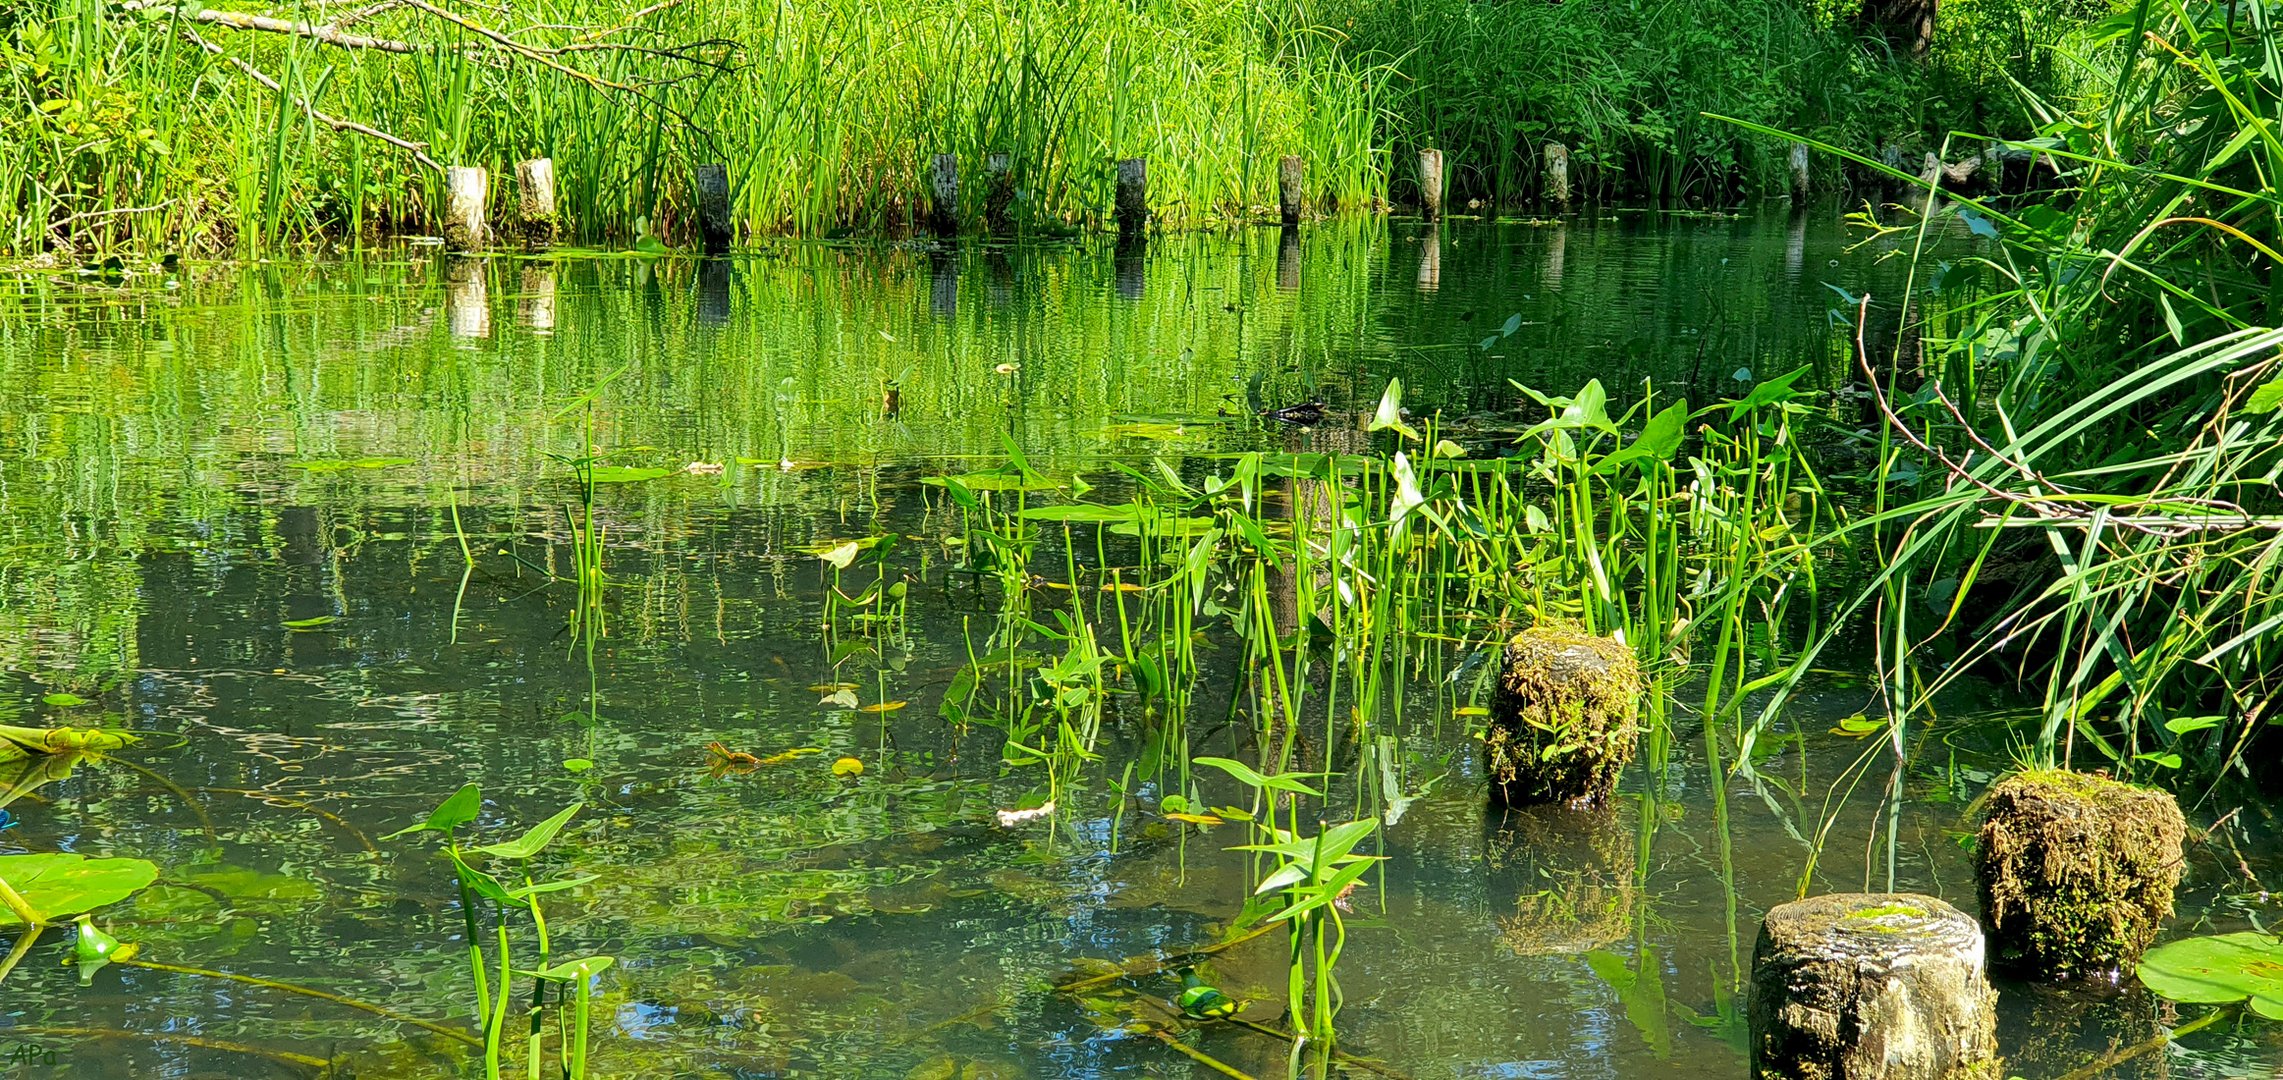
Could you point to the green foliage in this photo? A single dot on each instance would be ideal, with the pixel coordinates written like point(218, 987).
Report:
point(2219, 970)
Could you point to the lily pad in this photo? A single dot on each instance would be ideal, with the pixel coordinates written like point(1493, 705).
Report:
point(64, 700)
point(2219, 970)
point(56, 884)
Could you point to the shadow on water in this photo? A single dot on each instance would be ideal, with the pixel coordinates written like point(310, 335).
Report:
point(185, 469)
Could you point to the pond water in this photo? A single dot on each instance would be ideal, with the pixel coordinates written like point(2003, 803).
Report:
point(187, 465)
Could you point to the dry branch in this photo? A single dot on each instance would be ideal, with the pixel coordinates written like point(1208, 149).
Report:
point(418, 150)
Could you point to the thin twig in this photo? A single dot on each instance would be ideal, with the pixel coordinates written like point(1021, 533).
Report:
point(418, 150)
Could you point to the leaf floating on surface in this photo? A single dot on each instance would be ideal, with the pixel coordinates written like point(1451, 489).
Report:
point(57, 884)
point(311, 623)
point(624, 474)
point(19, 742)
point(2219, 970)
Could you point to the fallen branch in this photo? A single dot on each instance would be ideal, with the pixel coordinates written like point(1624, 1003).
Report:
point(418, 150)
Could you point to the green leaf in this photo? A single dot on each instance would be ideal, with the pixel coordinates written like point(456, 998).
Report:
point(454, 812)
point(527, 890)
point(2266, 399)
point(1770, 392)
point(64, 701)
point(529, 844)
point(1389, 417)
point(574, 970)
point(311, 623)
point(1660, 439)
point(2219, 970)
point(56, 884)
point(1246, 776)
point(623, 474)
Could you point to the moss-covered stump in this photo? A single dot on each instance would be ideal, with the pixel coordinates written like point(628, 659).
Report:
point(2077, 872)
point(1564, 718)
point(1871, 986)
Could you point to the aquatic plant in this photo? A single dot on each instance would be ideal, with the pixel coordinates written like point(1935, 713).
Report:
point(476, 884)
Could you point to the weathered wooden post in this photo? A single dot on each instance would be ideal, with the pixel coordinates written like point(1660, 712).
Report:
point(2076, 872)
point(943, 195)
point(1557, 174)
point(1132, 210)
point(1291, 181)
point(535, 201)
point(1431, 260)
point(466, 192)
point(1431, 184)
point(467, 298)
point(999, 192)
point(1799, 172)
point(1871, 986)
point(1564, 717)
point(714, 228)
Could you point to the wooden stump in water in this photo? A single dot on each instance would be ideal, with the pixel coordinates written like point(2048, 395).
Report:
point(1291, 187)
point(1871, 986)
point(2076, 872)
point(999, 192)
point(943, 195)
point(1558, 174)
point(1431, 184)
point(466, 190)
point(1132, 209)
point(714, 228)
point(535, 201)
point(1564, 718)
point(1799, 171)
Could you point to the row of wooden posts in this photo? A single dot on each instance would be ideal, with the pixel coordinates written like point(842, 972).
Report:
point(467, 222)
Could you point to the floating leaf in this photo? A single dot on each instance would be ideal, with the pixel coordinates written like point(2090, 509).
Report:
point(20, 742)
point(847, 766)
point(1197, 819)
point(574, 970)
point(321, 465)
point(624, 474)
point(2219, 970)
point(577, 764)
point(1857, 726)
point(64, 701)
point(883, 707)
point(311, 623)
point(56, 884)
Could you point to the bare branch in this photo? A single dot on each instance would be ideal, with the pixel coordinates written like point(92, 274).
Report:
point(418, 150)
point(238, 20)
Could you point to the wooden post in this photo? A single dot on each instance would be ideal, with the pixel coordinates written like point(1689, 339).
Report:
point(1870, 986)
point(943, 195)
point(1799, 172)
point(1291, 181)
point(1431, 184)
point(1558, 175)
point(465, 193)
point(535, 201)
point(1133, 196)
point(714, 228)
point(999, 192)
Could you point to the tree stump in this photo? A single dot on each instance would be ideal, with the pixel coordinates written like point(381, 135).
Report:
point(999, 193)
point(535, 201)
point(1291, 187)
point(1871, 986)
point(1132, 208)
point(466, 190)
point(715, 230)
point(1558, 175)
point(1564, 718)
point(1431, 184)
point(2076, 871)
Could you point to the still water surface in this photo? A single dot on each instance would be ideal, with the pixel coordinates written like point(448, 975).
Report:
point(186, 466)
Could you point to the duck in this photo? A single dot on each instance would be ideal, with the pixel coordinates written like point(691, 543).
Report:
point(1305, 414)
point(1201, 1002)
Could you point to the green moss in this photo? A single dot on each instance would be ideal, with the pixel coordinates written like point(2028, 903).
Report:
point(1564, 719)
point(2077, 871)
